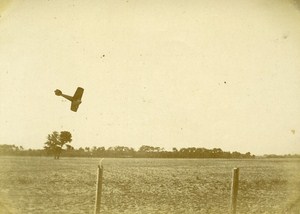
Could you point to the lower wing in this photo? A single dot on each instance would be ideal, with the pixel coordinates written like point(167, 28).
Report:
point(74, 106)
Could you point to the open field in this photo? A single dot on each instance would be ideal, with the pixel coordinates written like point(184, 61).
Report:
point(44, 185)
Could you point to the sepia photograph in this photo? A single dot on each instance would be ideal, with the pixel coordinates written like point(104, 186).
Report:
point(149, 107)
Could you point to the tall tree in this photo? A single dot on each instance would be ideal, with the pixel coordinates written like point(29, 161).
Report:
point(56, 141)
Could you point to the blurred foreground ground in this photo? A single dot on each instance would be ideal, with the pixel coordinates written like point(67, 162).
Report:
point(44, 185)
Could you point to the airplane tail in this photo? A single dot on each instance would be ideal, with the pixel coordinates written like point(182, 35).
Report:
point(58, 92)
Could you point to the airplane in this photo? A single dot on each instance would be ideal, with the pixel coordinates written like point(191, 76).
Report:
point(75, 100)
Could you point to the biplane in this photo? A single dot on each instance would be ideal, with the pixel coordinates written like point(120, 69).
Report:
point(75, 100)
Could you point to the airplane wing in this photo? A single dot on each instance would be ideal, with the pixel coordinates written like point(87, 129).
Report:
point(77, 99)
point(74, 106)
point(78, 94)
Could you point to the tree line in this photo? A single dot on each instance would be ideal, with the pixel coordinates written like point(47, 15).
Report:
point(144, 151)
point(127, 152)
point(56, 141)
point(58, 144)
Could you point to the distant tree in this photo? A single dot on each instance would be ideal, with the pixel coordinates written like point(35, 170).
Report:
point(6, 149)
point(94, 149)
point(98, 151)
point(149, 149)
point(157, 149)
point(247, 155)
point(56, 141)
point(174, 149)
point(216, 152)
point(81, 152)
point(87, 149)
point(236, 154)
point(70, 148)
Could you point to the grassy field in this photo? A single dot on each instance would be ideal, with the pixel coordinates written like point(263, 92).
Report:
point(44, 185)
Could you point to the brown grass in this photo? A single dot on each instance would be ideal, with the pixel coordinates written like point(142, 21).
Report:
point(45, 185)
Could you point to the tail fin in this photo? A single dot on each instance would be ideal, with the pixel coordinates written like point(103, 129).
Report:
point(58, 92)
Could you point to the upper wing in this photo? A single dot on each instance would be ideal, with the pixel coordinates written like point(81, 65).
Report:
point(78, 94)
point(77, 99)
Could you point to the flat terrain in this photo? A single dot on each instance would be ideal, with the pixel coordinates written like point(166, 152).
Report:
point(44, 185)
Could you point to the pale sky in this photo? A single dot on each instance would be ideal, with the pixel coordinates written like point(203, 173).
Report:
point(169, 73)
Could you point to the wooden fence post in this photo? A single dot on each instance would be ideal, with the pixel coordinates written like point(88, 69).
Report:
point(234, 189)
point(99, 187)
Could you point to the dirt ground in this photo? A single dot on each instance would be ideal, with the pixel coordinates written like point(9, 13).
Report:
point(44, 185)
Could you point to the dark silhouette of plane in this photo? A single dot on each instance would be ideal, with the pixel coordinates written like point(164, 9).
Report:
point(75, 100)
